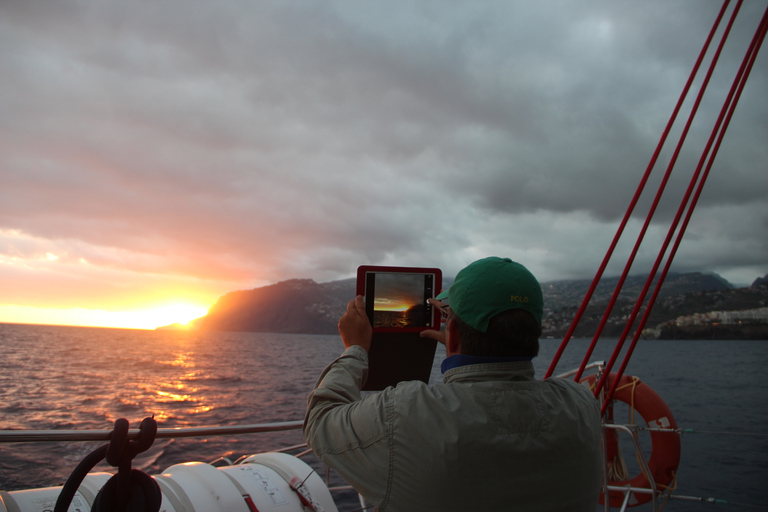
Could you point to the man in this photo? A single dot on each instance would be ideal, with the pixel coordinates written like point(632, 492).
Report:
point(488, 438)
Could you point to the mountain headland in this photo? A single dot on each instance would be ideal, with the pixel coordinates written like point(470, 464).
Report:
point(690, 305)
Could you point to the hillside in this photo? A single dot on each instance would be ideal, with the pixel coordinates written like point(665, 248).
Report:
point(679, 297)
point(304, 306)
point(293, 306)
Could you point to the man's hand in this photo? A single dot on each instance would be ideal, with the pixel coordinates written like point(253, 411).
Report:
point(354, 327)
point(431, 333)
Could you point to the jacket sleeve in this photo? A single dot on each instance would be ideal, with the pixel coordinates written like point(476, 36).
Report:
point(351, 433)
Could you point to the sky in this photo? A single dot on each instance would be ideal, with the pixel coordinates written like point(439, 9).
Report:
point(157, 155)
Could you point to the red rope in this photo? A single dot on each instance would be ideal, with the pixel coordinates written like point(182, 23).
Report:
point(652, 211)
point(630, 209)
point(723, 121)
point(729, 107)
point(676, 221)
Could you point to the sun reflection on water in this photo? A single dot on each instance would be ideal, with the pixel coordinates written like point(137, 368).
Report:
point(172, 394)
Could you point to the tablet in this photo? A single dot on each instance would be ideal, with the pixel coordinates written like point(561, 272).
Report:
point(397, 307)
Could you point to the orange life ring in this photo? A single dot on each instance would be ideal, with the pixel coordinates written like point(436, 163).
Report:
point(665, 446)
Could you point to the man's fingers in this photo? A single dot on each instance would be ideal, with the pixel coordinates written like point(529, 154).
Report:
point(356, 306)
point(360, 305)
point(433, 334)
point(436, 303)
point(354, 327)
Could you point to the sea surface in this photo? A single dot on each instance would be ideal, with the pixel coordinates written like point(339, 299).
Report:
point(84, 378)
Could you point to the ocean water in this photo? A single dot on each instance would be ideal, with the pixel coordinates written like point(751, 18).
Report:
point(85, 378)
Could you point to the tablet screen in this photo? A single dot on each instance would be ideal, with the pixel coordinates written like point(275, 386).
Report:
point(396, 297)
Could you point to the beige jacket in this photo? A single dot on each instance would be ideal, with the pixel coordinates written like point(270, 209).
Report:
point(489, 438)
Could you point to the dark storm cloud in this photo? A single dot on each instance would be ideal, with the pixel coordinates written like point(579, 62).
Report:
point(280, 139)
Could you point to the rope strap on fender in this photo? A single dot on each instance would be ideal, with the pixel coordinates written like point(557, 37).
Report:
point(130, 490)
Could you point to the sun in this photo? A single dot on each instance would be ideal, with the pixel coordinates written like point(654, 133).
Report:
point(180, 313)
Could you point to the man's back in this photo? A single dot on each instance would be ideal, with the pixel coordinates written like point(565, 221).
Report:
point(489, 438)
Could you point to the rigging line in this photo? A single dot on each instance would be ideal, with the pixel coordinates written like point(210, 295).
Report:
point(676, 221)
point(716, 501)
point(750, 505)
point(655, 203)
point(696, 431)
point(636, 197)
point(719, 130)
point(714, 432)
point(717, 135)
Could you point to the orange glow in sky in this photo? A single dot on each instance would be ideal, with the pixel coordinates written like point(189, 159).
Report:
point(51, 282)
point(149, 318)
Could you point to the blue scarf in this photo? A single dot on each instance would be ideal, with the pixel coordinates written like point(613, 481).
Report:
point(461, 360)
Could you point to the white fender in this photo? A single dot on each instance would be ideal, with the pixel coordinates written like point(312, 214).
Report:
point(44, 500)
point(274, 480)
point(264, 482)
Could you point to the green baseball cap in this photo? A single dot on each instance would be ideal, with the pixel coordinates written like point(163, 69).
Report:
point(490, 286)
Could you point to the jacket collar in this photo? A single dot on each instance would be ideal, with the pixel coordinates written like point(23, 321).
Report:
point(461, 367)
point(457, 360)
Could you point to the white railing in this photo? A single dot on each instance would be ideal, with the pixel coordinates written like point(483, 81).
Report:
point(26, 436)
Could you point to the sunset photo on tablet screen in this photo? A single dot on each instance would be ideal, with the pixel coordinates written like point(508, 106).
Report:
point(399, 300)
